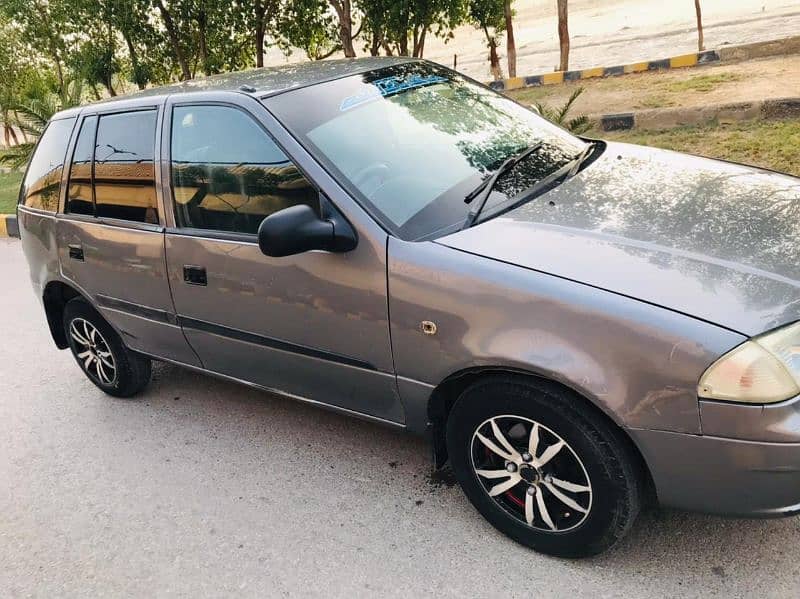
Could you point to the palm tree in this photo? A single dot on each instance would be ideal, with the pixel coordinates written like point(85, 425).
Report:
point(32, 116)
point(577, 125)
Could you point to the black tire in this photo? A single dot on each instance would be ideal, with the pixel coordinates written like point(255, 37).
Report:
point(603, 454)
point(131, 371)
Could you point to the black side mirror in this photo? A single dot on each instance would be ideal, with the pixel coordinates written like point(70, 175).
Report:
point(298, 229)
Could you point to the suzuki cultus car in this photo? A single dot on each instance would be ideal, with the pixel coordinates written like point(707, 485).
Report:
point(576, 325)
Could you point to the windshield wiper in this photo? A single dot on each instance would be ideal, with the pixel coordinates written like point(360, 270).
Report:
point(578, 161)
point(482, 192)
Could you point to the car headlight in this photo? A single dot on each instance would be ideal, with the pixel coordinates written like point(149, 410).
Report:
point(765, 369)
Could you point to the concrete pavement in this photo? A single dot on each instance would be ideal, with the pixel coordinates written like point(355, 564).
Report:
point(202, 488)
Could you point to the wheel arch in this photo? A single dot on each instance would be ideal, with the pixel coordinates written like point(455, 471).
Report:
point(55, 296)
point(446, 393)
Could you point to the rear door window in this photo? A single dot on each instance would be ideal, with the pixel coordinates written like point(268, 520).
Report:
point(124, 169)
point(79, 191)
point(42, 184)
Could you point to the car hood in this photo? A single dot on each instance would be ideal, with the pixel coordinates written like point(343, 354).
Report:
point(712, 239)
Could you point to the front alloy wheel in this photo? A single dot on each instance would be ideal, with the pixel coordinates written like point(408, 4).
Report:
point(543, 465)
point(531, 472)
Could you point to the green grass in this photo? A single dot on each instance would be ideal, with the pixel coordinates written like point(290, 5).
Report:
point(9, 188)
point(700, 83)
point(770, 144)
point(656, 101)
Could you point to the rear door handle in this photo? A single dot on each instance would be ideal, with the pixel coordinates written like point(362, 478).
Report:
point(76, 251)
point(194, 275)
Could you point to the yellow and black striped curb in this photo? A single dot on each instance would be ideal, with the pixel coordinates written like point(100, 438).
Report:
point(668, 118)
point(684, 60)
point(8, 225)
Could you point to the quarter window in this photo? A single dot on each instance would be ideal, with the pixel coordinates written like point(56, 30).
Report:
point(227, 173)
point(42, 183)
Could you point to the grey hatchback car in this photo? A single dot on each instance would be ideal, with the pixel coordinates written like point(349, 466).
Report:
point(578, 326)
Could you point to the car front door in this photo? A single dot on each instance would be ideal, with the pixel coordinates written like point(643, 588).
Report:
point(313, 325)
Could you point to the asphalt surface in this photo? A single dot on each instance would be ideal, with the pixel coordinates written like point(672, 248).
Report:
point(202, 488)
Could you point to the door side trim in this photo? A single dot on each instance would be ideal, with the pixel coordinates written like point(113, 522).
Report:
point(320, 404)
point(279, 344)
point(136, 309)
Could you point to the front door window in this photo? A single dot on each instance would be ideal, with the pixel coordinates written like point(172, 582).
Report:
point(227, 173)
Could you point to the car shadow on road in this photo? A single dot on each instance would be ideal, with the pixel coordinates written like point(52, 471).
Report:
point(662, 543)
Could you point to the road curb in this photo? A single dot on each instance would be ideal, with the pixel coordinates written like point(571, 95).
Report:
point(9, 227)
point(669, 118)
point(789, 45)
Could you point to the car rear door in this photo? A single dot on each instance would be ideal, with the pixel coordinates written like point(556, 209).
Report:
point(313, 325)
point(110, 233)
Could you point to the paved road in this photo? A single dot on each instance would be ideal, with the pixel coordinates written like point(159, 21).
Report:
point(202, 488)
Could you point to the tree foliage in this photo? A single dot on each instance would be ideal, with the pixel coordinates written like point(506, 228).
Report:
point(489, 16)
point(47, 47)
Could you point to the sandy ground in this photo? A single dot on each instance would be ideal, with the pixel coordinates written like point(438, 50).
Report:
point(608, 32)
point(777, 77)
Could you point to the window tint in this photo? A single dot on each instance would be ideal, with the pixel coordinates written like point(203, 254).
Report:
point(79, 192)
point(227, 173)
point(124, 173)
point(43, 180)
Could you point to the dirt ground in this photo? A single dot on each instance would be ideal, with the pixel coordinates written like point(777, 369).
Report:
point(775, 77)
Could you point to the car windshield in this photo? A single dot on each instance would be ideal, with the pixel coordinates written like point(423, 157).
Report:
point(411, 141)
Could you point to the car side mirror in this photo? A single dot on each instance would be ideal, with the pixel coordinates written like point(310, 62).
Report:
point(298, 229)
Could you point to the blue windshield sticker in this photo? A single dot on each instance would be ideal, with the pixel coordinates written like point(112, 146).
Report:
point(389, 86)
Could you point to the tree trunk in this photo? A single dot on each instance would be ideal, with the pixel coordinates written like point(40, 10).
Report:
point(134, 59)
point(402, 43)
point(202, 42)
point(169, 25)
point(511, 46)
point(109, 87)
point(700, 45)
point(375, 44)
point(563, 35)
point(344, 13)
point(494, 59)
point(53, 47)
point(260, 12)
point(419, 42)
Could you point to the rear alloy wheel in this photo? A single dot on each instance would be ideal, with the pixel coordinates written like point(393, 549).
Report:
point(100, 352)
point(543, 467)
point(93, 352)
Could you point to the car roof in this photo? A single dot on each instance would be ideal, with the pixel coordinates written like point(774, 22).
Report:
point(264, 81)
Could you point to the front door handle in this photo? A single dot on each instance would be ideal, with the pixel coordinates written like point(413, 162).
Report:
point(76, 251)
point(194, 275)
